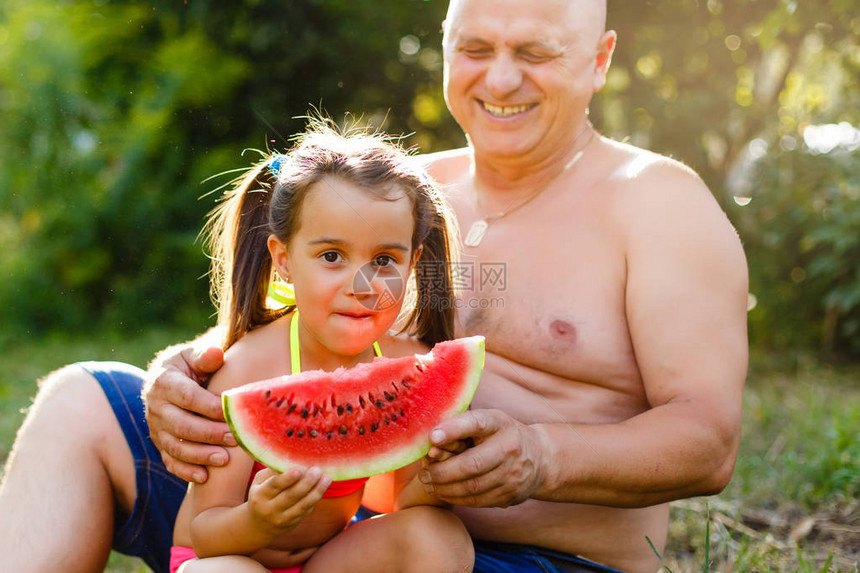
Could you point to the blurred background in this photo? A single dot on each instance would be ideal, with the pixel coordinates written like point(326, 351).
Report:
point(114, 114)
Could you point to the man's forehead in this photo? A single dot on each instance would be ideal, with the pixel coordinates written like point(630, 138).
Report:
point(576, 14)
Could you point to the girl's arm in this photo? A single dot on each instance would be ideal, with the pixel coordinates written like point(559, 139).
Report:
point(224, 522)
point(409, 491)
point(276, 504)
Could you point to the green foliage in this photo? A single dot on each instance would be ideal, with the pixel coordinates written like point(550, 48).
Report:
point(802, 225)
point(113, 113)
point(730, 87)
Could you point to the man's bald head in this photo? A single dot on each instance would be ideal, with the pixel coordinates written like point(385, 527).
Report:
point(594, 11)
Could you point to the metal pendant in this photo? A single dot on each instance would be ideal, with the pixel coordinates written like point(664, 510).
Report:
point(476, 233)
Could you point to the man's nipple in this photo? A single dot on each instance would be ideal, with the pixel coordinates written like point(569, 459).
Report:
point(563, 330)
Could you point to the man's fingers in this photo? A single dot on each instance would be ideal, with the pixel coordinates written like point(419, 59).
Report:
point(204, 361)
point(491, 489)
point(187, 472)
point(185, 426)
point(192, 453)
point(470, 424)
point(190, 396)
point(468, 465)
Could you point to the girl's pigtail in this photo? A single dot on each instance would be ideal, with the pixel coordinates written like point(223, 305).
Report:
point(435, 309)
point(238, 231)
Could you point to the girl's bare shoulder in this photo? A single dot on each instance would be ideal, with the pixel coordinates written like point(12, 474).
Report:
point(260, 354)
point(395, 346)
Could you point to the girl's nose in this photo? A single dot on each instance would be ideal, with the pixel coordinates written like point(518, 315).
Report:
point(362, 284)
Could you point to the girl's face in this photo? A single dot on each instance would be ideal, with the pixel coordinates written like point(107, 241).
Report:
point(349, 263)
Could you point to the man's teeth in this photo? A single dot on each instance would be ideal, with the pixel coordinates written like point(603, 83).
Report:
point(506, 111)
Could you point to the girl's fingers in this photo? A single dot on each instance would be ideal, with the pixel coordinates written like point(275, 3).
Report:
point(306, 491)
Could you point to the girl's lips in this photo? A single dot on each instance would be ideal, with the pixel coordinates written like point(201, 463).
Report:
point(354, 315)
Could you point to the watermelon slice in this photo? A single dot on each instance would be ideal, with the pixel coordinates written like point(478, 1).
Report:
point(356, 422)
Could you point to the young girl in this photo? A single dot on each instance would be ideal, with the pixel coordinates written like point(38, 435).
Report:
point(348, 221)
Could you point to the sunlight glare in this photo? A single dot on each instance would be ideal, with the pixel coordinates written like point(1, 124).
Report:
point(826, 138)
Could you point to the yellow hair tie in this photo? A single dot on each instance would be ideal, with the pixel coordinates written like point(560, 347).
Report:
point(282, 293)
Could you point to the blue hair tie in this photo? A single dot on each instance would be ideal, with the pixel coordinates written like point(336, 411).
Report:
point(275, 164)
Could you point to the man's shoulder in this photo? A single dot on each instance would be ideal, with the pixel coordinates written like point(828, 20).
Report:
point(447, 166)
point(637, 165)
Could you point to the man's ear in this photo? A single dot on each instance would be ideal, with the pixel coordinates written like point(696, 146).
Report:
point(605, 49)
point(280, 257)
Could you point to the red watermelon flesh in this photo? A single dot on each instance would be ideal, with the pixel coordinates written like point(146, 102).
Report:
point(369, 419)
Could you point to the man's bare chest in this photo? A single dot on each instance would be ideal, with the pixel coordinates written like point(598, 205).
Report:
point(550, 297)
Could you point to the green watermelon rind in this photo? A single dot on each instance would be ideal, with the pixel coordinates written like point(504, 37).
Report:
point(381, 463)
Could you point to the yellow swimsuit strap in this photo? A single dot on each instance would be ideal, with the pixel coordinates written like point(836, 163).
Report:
point(295, 359)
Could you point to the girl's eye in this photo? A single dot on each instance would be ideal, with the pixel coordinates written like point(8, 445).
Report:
point(331, 256)
point(384, 260)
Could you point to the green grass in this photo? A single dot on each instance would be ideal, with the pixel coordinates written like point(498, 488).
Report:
point(24, 362)
point(791, 506)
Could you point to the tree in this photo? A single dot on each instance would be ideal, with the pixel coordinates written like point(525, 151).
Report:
point(731, 87)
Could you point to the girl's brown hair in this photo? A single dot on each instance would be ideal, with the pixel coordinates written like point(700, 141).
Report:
point(267, 200)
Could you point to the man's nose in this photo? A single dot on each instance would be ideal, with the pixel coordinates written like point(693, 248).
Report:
point(503, 75)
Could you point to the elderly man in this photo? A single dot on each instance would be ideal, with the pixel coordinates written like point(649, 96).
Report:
point(617, 347)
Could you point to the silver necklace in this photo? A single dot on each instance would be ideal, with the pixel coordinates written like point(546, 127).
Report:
point(479, 228)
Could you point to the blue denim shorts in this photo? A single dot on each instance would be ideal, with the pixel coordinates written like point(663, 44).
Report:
point(148, 532)
point(492, 557)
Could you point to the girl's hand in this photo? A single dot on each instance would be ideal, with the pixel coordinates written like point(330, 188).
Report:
point(280, 502)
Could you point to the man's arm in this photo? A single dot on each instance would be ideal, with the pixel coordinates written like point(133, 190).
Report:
point(686, 312)
point(185, 420)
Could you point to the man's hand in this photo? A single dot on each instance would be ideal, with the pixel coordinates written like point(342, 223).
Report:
point(185, 420)
point(504, 467)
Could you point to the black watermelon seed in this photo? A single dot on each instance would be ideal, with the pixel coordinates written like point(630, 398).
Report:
point(393, 417)
point(390, 397)
point(279, 402)
point(316, 410)
point(361, 430)
point(313, 433)
point(361, 401)
point(328, 435)
point(268, 394)
point(290, 432)
point(291, 409)
point(380, 403)
point(402, 413)
point(342, 430)
point(386, 421)
point(301, 434)
point(305, 412)
point(340, 410)
point(405, 383)
point(374, 426)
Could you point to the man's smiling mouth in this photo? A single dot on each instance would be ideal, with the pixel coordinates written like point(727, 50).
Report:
point(506, 110)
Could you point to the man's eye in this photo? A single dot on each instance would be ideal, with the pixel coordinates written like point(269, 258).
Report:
point(477, 52)
point(533, 58)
